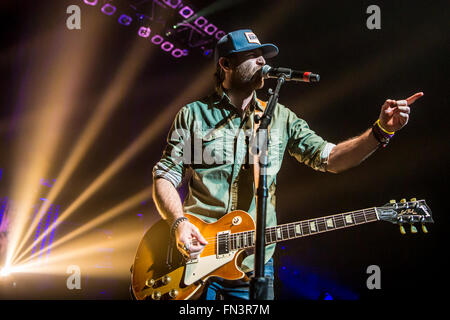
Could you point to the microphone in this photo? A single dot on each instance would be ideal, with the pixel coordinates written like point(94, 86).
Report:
point(290, 75)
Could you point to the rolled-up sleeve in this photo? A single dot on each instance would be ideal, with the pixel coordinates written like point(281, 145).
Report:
point(173, 162)
point(305, 145)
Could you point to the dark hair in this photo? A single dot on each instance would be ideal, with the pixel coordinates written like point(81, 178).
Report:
point(219, 75)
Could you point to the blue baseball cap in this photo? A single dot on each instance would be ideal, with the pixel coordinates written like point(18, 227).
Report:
point(240, 41)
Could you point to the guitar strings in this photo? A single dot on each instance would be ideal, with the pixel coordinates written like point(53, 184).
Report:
point(238, 238)
point(306, 223)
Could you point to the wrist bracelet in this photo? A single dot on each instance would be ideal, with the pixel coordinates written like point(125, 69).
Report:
point(384, 130)
point(381, 134)
point(176, 224)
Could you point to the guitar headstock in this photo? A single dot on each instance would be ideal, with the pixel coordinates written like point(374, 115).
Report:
point(406, 212)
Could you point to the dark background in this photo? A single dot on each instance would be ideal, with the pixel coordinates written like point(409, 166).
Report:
point(359, 68)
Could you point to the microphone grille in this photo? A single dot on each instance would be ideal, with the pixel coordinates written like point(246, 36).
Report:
point(265, 70)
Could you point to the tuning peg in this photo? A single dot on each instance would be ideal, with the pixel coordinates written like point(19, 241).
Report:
point(166, 279)
point(156, 295)
point(173, 293)
point(402, 229)
point(150, 283)
point(413, 199)
point(413, 229)
point(424, 228)
point(392, 201)
point(403, 200)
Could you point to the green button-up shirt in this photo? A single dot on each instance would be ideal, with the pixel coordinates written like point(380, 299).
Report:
point(208, 142)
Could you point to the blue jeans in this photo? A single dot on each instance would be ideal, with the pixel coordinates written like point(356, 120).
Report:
point(220, 289)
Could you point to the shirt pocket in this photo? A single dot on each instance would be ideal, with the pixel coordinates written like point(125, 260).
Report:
point(217, 148)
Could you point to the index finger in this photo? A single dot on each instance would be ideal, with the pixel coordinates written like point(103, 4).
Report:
point(414, 97)
point(200, 237)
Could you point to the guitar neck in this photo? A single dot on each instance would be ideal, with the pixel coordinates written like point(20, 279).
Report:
point(243, 240)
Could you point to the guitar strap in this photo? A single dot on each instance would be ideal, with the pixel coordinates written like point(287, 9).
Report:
point(256, 156)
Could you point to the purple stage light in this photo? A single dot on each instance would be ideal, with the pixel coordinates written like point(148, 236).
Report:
point(108, 9)
point(208, 52)
point(157, 39)
point(91, 2)
point(210, 29)
point(125, 20)
point(220, 34)
point(172, 3)
point(144, 32)
point(178, 53)
point(52, 234)
point(200, 22)
point(186, 12)
point(167, 46)
point(44, 239)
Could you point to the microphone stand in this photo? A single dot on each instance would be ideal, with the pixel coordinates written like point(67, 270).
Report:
point(258, 282)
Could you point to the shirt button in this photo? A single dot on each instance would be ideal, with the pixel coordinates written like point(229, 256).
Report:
point(233, 208)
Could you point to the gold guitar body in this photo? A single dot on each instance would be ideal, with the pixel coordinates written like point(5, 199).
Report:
point(160, 272)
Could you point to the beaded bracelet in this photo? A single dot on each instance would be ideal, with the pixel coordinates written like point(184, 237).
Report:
point(382, 135)
point(176, 224)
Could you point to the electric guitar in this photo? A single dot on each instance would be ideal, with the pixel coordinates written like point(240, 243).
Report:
point(161, 272)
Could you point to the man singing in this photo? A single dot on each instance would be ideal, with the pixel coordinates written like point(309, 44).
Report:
point(222, 177)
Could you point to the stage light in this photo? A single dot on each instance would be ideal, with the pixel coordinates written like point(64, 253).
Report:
point(186, 12)
point(91, 2)
point(220, 34)
point(52, 103)
point(210, 29)
point(327, 296)
point(144, 32)
point(200, 22)
point(112, 213)
point(167, 46)
point(208, 52)
point(108, 9)
point(172, 3)
point(178, 53)
point(5, 272)
point(118, 88)
point(157, 39)
point(125, 20)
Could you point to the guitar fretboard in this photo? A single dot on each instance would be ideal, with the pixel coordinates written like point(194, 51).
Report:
point(242, 240)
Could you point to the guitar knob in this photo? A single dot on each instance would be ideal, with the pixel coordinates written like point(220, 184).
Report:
point(403, 200)
point(173, 293)
point(156, 295)
point(413, 229)
point(166, 279)
point(402, 229)
point(149, 283)
point(424, 228)
point(413, 199)
point(392, 201)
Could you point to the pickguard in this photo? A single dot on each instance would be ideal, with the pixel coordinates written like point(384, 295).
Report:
point(201, 267)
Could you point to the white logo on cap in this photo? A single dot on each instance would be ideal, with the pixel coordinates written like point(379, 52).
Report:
point(251, 37)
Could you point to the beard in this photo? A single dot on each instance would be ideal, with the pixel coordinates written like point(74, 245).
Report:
point(247, 77)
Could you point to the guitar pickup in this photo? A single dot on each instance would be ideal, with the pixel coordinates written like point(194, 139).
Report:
point(223, 244)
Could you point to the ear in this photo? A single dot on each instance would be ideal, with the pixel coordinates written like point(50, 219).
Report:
point(224, 63)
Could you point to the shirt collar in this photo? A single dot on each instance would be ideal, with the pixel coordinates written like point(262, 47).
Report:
point(223, 97)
